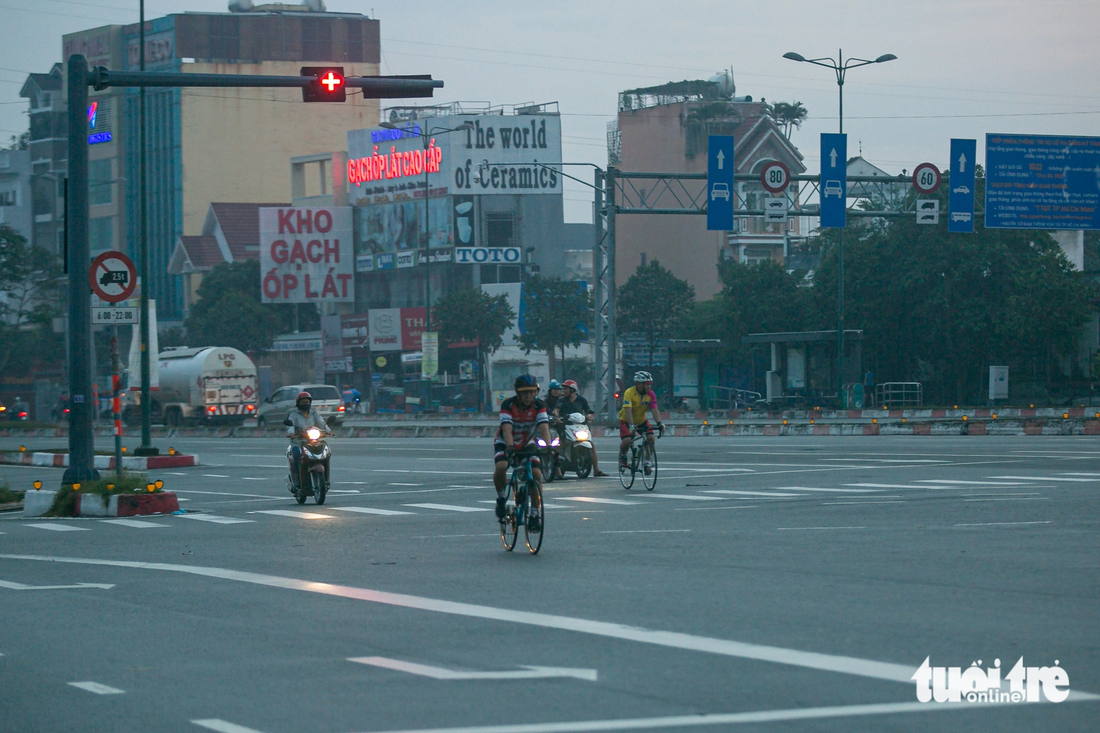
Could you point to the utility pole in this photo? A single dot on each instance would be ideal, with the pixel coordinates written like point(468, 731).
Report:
point(146, 448)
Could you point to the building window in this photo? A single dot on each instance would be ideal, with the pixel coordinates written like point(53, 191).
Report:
point(316, 39)
point(101, 233)
point(225, 38)
point(755, 255)
point(500, 229)
point(100, 183)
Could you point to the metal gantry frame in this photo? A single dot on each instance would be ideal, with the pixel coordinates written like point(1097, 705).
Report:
point(632, 192)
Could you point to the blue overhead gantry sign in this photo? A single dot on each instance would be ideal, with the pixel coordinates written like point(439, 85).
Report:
point(960, 198)
point(834, 180)
point(1042, 182)
point(720, 191)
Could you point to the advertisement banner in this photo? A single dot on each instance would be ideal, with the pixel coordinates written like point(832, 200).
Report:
point(384, 329)
point(499, 154)
point(413, 321)
point(354, 332)
point(306, 255)
point(429, 365)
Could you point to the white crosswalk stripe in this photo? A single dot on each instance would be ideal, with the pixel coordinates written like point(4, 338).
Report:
point(58, 527)
point(133, 523)
point(731, 492)
point(291, 513)
point(1050, 478)
point(842, 491)
point(597, 500)
point(214, 519)
point(371, 510)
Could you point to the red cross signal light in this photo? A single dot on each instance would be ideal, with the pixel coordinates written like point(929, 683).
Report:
point(328, 84)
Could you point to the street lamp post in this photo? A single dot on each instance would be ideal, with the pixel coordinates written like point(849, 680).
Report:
point(840, 66)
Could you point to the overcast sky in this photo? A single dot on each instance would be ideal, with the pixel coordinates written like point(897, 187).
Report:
point(964, 68)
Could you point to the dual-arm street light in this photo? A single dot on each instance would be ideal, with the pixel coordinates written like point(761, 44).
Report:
point(840, 66)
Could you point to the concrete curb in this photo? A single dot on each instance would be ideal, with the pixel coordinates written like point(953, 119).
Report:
point(37, 503)
point(126, 505)
point(134, 463)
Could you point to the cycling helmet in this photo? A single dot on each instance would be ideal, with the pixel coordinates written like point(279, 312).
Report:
point(525, 382)
point(571, 385)
point(554, 384)
point(643, 377)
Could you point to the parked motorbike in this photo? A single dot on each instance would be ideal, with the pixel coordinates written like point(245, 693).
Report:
point(575, 451)
point(315, 452)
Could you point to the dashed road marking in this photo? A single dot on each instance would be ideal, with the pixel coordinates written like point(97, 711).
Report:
point(685, 497)
point(731, 492)
point(58, 527)
point(214, 475)
point(791, 529)
point(97, 688)
point(1051, 478)
point(370, 510)
point(221, 726)
point(597, 500)
point(292, 513)
point(842, 491)
point(214, 519)
point(133, 523)
point(449, 507)
point(1002, 524)
point(969, 483)
point(642, 531)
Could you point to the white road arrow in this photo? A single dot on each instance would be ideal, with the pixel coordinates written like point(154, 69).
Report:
point(439, 673)
point(962, 162)
point(832, 158)
point(721, 159)
point(19, 586)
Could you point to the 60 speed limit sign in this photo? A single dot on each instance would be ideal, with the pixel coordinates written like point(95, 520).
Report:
point(926, 178)
point(775, 177)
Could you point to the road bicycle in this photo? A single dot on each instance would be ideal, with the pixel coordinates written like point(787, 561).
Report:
point(641, 453)
point(520, 495)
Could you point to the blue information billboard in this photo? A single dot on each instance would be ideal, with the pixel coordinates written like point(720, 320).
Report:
point(834, 180)
point(1042, 182)
point(960, 198)
point(720, 191)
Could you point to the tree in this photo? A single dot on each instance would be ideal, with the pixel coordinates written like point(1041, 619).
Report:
point(761, 298)
point(556, 315)
point(474, 315)
point(653, 302)
point(19, 142)
point(787, 115)
point(30, 279)
point(230, 311)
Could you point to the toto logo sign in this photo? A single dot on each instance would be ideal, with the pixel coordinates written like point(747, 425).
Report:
point(488, 255)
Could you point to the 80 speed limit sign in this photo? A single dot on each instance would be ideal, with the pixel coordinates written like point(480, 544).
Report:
point(775, 177)
point(926, 178)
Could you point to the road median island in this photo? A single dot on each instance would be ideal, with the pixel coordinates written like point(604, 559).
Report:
point(60, 459)
point(128, 495)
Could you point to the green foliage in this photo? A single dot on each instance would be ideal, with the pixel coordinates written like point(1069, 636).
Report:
point(762, 298)
point(21, 141)
point(30, 278)
point(230, 311)
point(555, 314)
point(787, 115)
point(7, 496)
point(653, 303)
point(64, 503)
point(473, 315)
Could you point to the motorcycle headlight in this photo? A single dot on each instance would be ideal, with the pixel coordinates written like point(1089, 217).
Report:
point(313, 433)
point(582, 435)
point(555, 441)
point(541, 443)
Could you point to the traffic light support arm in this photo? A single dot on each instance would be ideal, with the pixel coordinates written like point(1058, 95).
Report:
point(374, 87)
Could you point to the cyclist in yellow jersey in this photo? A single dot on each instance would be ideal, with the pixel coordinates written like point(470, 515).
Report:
point(637, 401)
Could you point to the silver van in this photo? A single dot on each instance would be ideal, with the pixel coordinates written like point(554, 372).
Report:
point(326, 400)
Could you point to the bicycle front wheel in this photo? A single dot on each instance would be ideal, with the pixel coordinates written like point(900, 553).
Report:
point(649, 477)
point(534, 536)
point(626, 473)
point(509, 524)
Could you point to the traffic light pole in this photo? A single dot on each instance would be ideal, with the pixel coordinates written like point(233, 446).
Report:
point(80, 77)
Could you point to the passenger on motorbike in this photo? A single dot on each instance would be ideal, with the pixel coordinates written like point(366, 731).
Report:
point(572, 402)
point(303, 418)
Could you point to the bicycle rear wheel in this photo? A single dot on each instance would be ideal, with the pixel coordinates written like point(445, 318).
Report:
point(626, 473)
point(650, 479)
point(534, 536)
point(509, 525)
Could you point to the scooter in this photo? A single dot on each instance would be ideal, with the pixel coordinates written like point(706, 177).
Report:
point(575, 452)
point(315, 452)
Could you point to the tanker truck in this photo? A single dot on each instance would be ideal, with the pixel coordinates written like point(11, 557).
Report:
point(210, 385)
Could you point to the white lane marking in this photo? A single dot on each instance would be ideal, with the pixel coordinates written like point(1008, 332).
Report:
point(749, 493)
point(789, 529)
point(841, 491)
point(726, 471)
point(171, 473)
point(1018, 498)
point(1051, 478)
point(133, 523)
point(180, 499)
point(450, 507)
point(546, 504)
point(214, 519)
point(596, 500)
point(685, 497)
point(902, 673)
point(406, 470)
point(642, 531)
point(707, 719)
point(441, 673)
point(462, 486)
point(397, 483)
point(344, 491)
point(222, 726)
point(58, 527)
point(255, 478)
point(291, 513)
point(969, 483)
point(1072, 473)
point(354, 483)
point(886, 460)
point(19, 586)
point(1001, 524)
point(717, 508)
point(221, 493)
point(214, 475)
point(893, 486)
point(850, 503)
point(97, 688)
point(370, 510)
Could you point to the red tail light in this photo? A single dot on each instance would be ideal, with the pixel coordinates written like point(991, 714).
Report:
point(211, 409)
point(340, 408)
point(22, 414)
point(250, 408)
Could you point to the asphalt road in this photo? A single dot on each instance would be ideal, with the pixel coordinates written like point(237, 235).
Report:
point(779, 584)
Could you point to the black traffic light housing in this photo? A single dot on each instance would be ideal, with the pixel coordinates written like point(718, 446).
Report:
point(327, 86)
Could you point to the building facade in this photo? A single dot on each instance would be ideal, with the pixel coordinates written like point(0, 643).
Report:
point(15, 191)
point(664, 130)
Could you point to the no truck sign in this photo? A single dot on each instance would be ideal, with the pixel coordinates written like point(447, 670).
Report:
point(306, 255)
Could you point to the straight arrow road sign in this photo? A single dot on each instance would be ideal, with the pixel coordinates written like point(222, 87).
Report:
point(834, 180)
point(960, 197)
point(441, 673)
point(19, 586)
point(720, 191)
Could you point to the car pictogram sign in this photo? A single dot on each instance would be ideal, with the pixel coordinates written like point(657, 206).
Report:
point(113, 277)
